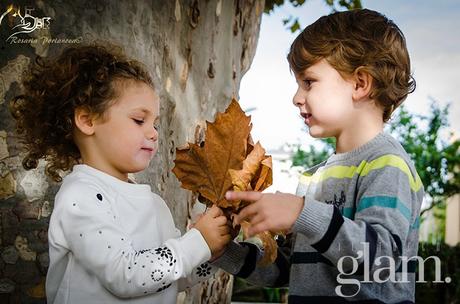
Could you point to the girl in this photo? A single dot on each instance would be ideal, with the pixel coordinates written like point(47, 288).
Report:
point(94, 111)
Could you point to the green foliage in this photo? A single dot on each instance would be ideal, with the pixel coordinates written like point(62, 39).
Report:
point(246, 292)
point(423, 137)
point(293, 24)
point(270, 5)
point(437, 233)
point(314, 155)
point(427, 293)
point(437, 161)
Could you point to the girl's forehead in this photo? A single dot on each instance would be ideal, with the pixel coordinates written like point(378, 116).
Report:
point(138, 96)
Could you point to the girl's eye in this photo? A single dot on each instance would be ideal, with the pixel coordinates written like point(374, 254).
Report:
point(138, 121)
point(156, 126)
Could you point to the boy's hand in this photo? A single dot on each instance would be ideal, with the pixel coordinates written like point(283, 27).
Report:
point(213, 226)
point(270, 211)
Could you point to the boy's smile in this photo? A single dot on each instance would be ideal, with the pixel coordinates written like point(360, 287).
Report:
point(324, 99)
point(334, 106)
point(307, 117)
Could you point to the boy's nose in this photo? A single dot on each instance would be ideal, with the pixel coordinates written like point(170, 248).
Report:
point(298, 100)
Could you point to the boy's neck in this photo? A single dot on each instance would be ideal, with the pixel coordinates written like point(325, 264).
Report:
point(362, 132)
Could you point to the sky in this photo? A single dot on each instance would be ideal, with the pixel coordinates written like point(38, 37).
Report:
point(431, 30)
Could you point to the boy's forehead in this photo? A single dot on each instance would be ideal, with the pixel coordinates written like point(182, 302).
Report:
point(315, 69)
point(308, 72)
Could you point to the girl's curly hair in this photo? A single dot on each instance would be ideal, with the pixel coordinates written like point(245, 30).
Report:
point(81, 76)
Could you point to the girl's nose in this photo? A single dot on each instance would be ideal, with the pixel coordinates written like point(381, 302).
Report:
point(152, 134)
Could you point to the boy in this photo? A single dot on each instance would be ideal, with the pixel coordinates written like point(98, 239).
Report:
point(355, 216)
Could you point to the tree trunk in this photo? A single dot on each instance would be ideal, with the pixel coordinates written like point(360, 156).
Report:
point(196, 51)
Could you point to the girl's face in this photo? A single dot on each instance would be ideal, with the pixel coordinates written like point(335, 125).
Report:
point(127, 139)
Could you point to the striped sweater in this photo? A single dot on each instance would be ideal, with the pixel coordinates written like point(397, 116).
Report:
point(360, 219)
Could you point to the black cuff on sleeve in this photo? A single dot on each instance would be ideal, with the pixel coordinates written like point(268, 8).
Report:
point(249, 262)
point(334, 227)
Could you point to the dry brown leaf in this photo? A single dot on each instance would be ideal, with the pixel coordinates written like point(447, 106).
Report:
point(241, 179)
point(255, 175)
point(227, 160)
point(270, 248)
point(205, 169)
point(265, 177)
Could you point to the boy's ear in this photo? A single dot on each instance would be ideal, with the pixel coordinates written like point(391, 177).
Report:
point(363, 84)
point(84, 120)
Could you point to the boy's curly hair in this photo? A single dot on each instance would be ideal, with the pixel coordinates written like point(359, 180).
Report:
point(359, 39)
point(81, 76)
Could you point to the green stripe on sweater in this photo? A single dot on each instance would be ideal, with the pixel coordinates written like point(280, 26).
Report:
point(384, 202)
point(364, 169)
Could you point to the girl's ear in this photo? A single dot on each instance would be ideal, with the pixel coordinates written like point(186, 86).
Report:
point(363, 84)
point(84, 120)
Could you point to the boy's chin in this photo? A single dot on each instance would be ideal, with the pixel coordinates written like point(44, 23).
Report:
point(317, 132)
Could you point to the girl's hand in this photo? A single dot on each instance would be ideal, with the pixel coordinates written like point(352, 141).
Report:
point(213, 226)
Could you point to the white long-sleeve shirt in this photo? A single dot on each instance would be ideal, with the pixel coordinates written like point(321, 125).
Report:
point(115, 242)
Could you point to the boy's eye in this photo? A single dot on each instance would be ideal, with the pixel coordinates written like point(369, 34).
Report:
point(138, 121)
point(307, 82)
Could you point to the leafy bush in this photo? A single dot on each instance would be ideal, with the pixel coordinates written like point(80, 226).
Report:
point(448, 293)
point(425, 293)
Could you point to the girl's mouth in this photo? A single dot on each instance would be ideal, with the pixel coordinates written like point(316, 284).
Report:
point(151, 151)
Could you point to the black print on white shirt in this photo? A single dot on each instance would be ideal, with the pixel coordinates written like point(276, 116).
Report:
point(142, 251)
point(157, 275)
point(165, 254)
point(163, 288)
point(338, 202)
point(203, 270)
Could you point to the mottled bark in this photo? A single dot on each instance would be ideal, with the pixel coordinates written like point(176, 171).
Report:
point(197, 52)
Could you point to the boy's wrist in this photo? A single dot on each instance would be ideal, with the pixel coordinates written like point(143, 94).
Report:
point(232, 258)
point(298, 206)
point(314, 219)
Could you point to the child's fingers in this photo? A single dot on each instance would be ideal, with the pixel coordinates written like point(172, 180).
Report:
point(245, 213)
point(250, 196)
point(260, 227)
point(221, 220)
point(224, 230)
point(256, 219)
point(215, 211)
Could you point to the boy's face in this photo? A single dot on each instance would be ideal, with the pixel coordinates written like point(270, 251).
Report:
point(126, 140)
point(324, 99)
